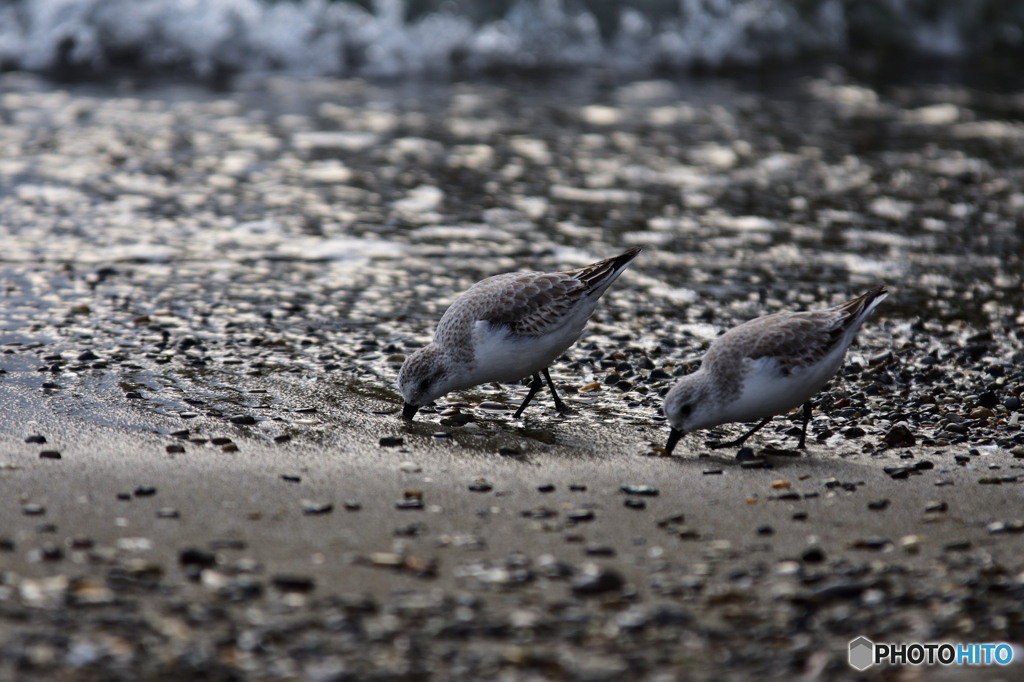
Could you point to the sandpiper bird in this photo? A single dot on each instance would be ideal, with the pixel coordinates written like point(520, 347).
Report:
point(505, 328)
point(765, 367)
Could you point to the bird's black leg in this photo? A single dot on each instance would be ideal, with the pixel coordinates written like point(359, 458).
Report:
point(559, 405)
point(534, 387)
point(807, 420)
point(741, 439)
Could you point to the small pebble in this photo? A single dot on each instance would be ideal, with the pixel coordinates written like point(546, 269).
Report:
point(49, 454)
point(175, 448)
point(312, 508)
point(878, 505)
point(646, 490)
point(35, 438)
point(594, 580)
point(391, 441)
point(293, 583)
point(291, 478)
point(243, 419)
point(480, 486)
point(546, 488)
point(634, 503)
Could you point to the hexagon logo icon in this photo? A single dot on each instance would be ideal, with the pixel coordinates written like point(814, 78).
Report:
point(862, 653)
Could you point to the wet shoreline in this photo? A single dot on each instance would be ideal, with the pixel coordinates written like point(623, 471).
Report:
point(205, 303)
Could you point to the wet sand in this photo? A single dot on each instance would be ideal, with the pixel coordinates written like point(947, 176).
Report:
point(254, 267)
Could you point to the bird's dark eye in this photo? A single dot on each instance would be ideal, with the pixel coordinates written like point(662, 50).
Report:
point(685, 410)
point(425, 384)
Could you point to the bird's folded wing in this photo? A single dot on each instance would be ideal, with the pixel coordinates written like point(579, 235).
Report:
point(533, 304)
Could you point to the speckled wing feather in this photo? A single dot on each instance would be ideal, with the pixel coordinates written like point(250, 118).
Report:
point(794, 339)
point(537, 302)
point(527, 303)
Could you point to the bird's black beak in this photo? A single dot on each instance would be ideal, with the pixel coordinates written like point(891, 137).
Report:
point(673, 438)
point(409, 411)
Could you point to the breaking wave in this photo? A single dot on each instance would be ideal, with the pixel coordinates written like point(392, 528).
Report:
point(387, 38)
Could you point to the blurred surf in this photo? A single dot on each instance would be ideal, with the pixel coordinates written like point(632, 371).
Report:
point(390, 38)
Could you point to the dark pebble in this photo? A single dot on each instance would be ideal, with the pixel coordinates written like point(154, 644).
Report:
point(800, 516)
point(351, 505)
point(988, 399)
point(924, 465)
point(175, 447)
point(659, 374)
point(712, 472)
point(124, 497)
point(900, 435)
point(87, 356)
point(441, 435)
point(580, 515)
point(188, 415)
point(196, 557)
point(243, 419)
point(961, 459)
point(745, 454)
point(577, 488)
point(898, 472)
point(596, 580)
point(283, 438)
point(130, 395)
point(509, 452)
point(480, 486)
point(936, 507)
point(49, 454)
point(599, 550)
point(293, 583)
point(765, 530)
point(546, 488)
point(391, 441)
point(33, 510)
point(292, 478)
point(852, 432)
point(634, 503)
point(957, 546)
point(50, 384)
point(878, 505)
point(36, 438)
point(1012, 403)
point(871, 543)
point(181, 433)
point(813, 555)
point(145, 491)
point(220, 441)
point(639, 490)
